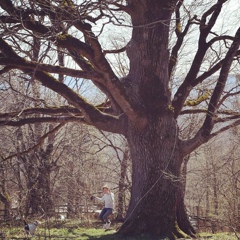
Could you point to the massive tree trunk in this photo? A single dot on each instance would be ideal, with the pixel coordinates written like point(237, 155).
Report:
point(153, 140)
point(156, 170)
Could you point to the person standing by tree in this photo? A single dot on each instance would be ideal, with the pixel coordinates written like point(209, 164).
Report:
point(108, 199)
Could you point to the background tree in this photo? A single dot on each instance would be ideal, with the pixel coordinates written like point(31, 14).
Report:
point(31, 168)
point(145, 106)
point(4, 196)
point(214, 175)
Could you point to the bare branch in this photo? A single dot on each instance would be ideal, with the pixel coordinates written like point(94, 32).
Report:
point(40, 142)
point(205, 28)
point(24, 64)
point(123, 49)
point(213, 105)
point(204, 134)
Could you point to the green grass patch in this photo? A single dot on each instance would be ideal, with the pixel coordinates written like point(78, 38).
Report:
point(77, 231)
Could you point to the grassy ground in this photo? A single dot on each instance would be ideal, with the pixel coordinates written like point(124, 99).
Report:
point(73, 230)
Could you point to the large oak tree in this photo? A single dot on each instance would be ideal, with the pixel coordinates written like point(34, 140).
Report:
point(142, 105)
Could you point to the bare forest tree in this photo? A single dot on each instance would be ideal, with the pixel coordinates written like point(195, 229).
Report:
point(146, 105)
point(213, 193)
point(29, 168)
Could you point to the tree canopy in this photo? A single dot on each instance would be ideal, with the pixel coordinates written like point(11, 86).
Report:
point(67, 28)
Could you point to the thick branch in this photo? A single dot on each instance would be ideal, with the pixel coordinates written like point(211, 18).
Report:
point(212, 107)
point(204, 134)
point(192, 144)
point(184, 90)
point(123, 49)
point(20, 122)
point(24, 64)
point(60, 111)
point(224, 129)
point(91, 114)
point(90, 49)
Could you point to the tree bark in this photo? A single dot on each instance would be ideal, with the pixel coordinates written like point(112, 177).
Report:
point(182, 217)
point(39, 200)
point(121, 185)
point(156, 172)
